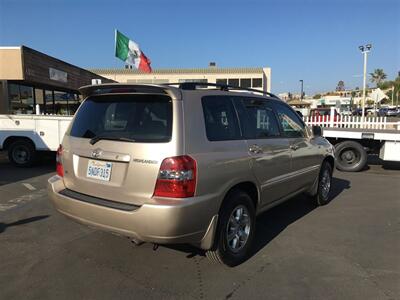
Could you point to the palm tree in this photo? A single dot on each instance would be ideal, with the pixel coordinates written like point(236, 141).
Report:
point(340, 86)
point(378, 76)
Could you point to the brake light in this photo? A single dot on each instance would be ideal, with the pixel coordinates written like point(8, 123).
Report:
point(177, 177)
point(59, 166)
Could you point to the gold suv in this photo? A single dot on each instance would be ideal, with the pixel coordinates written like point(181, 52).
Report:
point(189, 164)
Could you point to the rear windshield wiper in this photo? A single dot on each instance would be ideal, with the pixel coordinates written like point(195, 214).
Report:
point(97, 138)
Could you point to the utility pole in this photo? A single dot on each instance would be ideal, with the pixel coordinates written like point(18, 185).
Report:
point(365, 50)
point(301, 91)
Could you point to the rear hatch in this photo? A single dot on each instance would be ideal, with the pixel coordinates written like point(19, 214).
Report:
point(116, 143)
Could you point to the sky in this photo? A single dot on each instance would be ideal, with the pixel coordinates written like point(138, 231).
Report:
point(316, 41)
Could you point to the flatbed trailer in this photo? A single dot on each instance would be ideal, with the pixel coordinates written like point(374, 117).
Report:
point(352, 145)
point(26, 136)
point(354, 138)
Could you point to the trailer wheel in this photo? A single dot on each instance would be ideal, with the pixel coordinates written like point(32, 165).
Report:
point(350, 156)
point(22, 153)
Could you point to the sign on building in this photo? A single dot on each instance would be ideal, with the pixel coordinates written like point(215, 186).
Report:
point(58, 75)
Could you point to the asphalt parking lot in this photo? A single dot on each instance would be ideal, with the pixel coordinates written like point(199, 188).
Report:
point(348, 249)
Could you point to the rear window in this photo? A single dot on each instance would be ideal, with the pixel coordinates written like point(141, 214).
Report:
point(140, 118)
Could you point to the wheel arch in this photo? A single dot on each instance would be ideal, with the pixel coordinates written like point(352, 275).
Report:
point(246, 186)
point(371, 146)
point(11, 139)
point(330, 160)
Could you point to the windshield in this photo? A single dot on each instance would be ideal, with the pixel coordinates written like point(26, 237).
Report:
point(134, 118)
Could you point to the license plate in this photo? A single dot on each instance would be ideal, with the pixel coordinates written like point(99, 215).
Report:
point(99, 170)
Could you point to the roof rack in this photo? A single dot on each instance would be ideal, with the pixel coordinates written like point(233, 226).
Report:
point(222, 87)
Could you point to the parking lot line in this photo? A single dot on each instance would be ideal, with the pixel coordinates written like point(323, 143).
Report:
point(29, 186)
point(22, 200)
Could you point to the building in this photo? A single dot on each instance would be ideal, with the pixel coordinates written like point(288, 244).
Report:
point(29, 78)
point(257, 78)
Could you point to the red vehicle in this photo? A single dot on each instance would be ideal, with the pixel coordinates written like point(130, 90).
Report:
point(324, 113)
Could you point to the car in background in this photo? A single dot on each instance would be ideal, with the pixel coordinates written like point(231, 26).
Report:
point(358, 112)
point(372, 111)
point(392, 112)
point(346, 112)
point(389, 112)
point(382, 111)
point(324, 113)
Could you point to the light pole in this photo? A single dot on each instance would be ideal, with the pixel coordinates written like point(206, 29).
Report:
point(392, 95)
point(301, 92)
point(364, 49)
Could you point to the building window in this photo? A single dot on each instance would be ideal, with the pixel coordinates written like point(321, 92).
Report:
point(233, 82)
point(245, 82)
point(73, 103)
point(21, 99)
point(61, 100)
point(193, 80)
point(24, 100)
point(222, 81)
point(160, 81)
point(257, 82)
point(49, 102)
point(39, 100)
point(142, 81)
point(196, 80)
point(26, 96)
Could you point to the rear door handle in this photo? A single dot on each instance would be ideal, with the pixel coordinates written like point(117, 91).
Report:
point(255, 149)
point(294, 147)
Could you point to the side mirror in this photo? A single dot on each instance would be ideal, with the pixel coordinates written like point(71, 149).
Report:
point(317, 130)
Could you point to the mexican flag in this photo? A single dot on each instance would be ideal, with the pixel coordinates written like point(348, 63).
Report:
point(128, 51)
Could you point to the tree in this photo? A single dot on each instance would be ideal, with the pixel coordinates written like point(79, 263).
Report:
point(387, 87)
point(317, 96)
point(378, 76)
point(340, 86)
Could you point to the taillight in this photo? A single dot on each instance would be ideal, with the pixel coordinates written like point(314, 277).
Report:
point(59, 166)
point(177, 177)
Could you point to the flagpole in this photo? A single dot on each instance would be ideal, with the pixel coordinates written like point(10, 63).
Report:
point(115, 58)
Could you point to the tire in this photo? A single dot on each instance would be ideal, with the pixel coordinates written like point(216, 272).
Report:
point(22, 153)
point(324, 184)
point(229, 252)
point(350, 156)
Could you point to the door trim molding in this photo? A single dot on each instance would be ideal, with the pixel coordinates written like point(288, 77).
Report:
point(289, 176)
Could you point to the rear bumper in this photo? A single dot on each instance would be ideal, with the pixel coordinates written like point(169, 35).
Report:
point(162, 221)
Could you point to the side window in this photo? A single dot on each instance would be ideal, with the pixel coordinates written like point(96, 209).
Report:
point(292, 126)
point(258, 119)
point(220, 118)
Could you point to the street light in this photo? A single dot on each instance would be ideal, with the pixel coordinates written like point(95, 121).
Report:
point(364, 49)
point(301, 93)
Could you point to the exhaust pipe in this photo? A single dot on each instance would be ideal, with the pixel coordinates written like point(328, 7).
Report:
point(136, 242)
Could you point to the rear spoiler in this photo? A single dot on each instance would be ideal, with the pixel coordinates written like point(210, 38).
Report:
point(120, 88)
